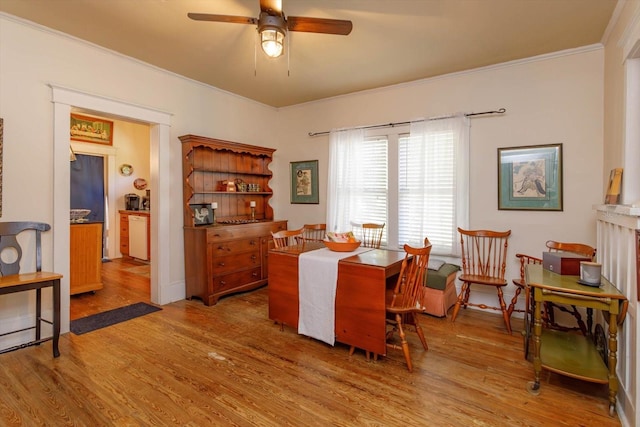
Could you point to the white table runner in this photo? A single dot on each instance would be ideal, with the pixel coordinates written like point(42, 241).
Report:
point(317, 282)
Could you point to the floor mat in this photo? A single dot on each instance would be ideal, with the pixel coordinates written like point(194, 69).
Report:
point(111, 317)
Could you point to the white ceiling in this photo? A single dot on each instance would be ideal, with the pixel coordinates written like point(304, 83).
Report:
point(393, 41)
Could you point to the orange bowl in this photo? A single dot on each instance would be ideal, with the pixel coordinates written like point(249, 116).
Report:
point(342, 246)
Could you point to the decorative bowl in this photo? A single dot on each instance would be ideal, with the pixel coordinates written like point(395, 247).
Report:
point(78, 215)
point(342, 246)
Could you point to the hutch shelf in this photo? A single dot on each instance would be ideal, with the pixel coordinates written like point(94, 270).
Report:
point(226, 251)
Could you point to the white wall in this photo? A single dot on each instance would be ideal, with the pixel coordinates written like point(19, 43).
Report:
point(550, 99)
point(31, 59)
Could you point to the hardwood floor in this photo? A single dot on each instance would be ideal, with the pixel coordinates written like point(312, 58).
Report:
point(229, 365)
point(123, 285)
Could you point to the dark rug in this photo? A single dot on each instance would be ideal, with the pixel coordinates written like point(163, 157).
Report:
point(111, 317)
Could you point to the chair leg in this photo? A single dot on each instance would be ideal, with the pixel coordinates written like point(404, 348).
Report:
point(503, 307)
point(514, 300)
point(419, 331)
point(405, 344)
point(460, 301)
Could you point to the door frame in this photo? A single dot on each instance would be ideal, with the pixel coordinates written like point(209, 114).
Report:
point(64, 99)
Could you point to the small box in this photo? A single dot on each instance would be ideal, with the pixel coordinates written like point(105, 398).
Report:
point(564, 263)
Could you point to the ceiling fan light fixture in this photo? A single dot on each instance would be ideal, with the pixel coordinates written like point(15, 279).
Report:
point(272, 41)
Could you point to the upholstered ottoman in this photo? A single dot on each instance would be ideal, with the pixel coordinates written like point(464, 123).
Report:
point(439, 291)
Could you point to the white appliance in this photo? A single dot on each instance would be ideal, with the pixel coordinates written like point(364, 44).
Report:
point(138, 237)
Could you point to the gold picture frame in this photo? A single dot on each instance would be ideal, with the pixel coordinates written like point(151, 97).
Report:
point(91, 129)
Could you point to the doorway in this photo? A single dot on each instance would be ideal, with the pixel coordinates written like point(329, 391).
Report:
point(162, 290)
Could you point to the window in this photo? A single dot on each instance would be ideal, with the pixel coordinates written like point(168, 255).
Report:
point(414, 182)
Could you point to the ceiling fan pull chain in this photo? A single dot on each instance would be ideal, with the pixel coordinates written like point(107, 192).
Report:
point(288, 54)
point(255, 54)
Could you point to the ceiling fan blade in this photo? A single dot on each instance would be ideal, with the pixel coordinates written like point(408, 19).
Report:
point(222, 18)
point(271, 7)
point(319, 25)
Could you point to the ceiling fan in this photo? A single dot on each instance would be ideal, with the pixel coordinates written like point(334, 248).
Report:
point(272, 25)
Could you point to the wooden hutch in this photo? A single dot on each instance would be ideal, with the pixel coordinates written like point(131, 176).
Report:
point(226, 252)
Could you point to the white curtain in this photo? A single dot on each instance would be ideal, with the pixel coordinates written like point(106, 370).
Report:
point(346, 177)
point(433, 186)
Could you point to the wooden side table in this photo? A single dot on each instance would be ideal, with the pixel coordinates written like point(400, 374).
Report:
point(571, 354)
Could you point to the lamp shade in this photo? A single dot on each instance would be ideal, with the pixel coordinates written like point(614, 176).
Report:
point(272, 41)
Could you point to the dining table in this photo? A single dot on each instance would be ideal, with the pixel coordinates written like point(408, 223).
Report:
point(356, 316)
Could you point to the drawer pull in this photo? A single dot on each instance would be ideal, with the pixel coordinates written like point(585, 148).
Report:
point(223, 248)
point(255, 274)
point(253, 257)
point(222, 282)
point(221, 264)
point(253, 243)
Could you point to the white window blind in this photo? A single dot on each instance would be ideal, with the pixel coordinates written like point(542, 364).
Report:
point(426, 190)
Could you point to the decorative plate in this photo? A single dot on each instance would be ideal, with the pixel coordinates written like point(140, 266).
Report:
point(126, 170)
point(140, 183)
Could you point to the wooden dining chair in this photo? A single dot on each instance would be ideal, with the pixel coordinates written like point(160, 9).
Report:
point(548, 313)
point(370, 234)
point(403, 303)
point(13, 279)
point(287, 238)
point(484, 254)
point(314, 232)
point(528, 303)
point(549, 317)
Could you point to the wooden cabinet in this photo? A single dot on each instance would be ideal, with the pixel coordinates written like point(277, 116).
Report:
point(124, 231)
point(86, 258)
point(224, 259)
point(207, 164)
point(229, 254)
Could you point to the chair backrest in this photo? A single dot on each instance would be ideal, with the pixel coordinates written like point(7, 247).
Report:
point(484, 253)
point(314, 232)
point(370, 234)
point(9, 242)
point(576, 248)
point(524, 261)
point(287, 238)
point(409, 287)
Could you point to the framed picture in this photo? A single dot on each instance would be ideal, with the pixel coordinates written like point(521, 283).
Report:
point(91, 129)
point(304, 182)
point(530, 178)
point(615, 186)
point(202, 213)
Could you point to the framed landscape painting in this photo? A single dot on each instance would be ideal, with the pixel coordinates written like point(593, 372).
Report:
point(530, 178)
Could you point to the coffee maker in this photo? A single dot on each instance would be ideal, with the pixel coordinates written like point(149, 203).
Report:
point(132, 202)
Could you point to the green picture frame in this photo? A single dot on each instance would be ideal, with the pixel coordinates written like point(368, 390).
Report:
point(530, 178)
point(304, 182)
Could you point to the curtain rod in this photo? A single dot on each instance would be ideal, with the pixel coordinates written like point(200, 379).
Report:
point(499, 111)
